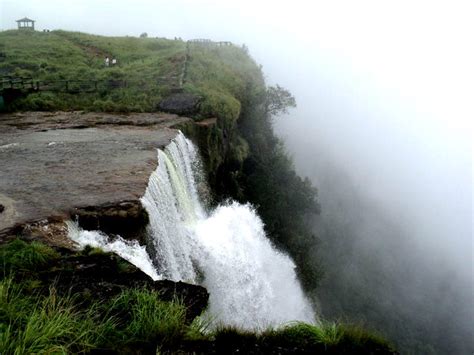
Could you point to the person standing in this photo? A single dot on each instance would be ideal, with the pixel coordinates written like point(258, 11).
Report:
point(107, 61)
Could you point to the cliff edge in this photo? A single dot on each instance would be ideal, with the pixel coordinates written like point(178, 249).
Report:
point(64, 164)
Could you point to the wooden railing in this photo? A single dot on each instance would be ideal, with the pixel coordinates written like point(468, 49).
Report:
point(82, 86)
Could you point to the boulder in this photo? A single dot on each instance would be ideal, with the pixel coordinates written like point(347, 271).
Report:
point(180, 103)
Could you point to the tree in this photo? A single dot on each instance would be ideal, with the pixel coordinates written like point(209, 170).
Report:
point(278, 100)
point(144, 35)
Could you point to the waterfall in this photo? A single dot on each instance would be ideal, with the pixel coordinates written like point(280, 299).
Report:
point(251, 284)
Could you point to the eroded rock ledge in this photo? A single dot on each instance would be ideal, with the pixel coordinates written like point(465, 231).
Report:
point(95, 275)
point(92, 165)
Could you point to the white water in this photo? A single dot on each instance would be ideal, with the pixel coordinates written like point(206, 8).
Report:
point(251, 284)
point(129, 250)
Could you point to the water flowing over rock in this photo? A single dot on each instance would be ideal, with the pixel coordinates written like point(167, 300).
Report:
point(129, 250)
point(251, 284)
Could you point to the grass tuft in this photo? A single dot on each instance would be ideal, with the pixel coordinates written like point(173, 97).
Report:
point(21, 255)
point(145, 318)
point(51, 324)
point(301, 336)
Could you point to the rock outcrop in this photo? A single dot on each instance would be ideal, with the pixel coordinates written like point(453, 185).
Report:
point(93, 165)
point(180, 103)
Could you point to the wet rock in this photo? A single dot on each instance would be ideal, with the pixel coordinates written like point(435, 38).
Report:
point(127, 219)
point(194, 297)
point(180, 103)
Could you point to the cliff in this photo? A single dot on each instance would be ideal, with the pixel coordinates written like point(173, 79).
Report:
point(75, 143)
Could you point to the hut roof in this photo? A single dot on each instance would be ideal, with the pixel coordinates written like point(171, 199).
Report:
point(25, 19)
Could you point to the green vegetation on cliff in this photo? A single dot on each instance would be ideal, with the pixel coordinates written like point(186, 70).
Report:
point(147, 69)
point(42, 317)
point(136, 321)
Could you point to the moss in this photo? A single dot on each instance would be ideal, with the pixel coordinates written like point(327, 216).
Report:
point(239, 149)
point(90, 250)
point(124, 266)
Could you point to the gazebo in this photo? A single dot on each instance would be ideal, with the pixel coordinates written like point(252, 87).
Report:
point(26, 24)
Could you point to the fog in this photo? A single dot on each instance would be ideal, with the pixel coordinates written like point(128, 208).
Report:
point(384, 120)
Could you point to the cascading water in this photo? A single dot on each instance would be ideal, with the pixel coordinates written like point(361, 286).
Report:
point(129, 250)
point(251, 284)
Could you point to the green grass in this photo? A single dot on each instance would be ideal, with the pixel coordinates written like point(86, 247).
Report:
point(33, 323)
point(147, 319)
point(52, 324)
point(136, 319)
point(300, 336)
point(221, 76)
point(20, 255)
point(35, 319)
point(151, 67)
point(329, 334)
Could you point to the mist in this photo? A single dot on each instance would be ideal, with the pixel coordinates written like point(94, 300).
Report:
point(383, 129)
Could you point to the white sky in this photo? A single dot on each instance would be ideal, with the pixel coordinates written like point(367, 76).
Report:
point(387, 87)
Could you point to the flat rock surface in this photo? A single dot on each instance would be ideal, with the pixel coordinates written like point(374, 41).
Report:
point(52, 163)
